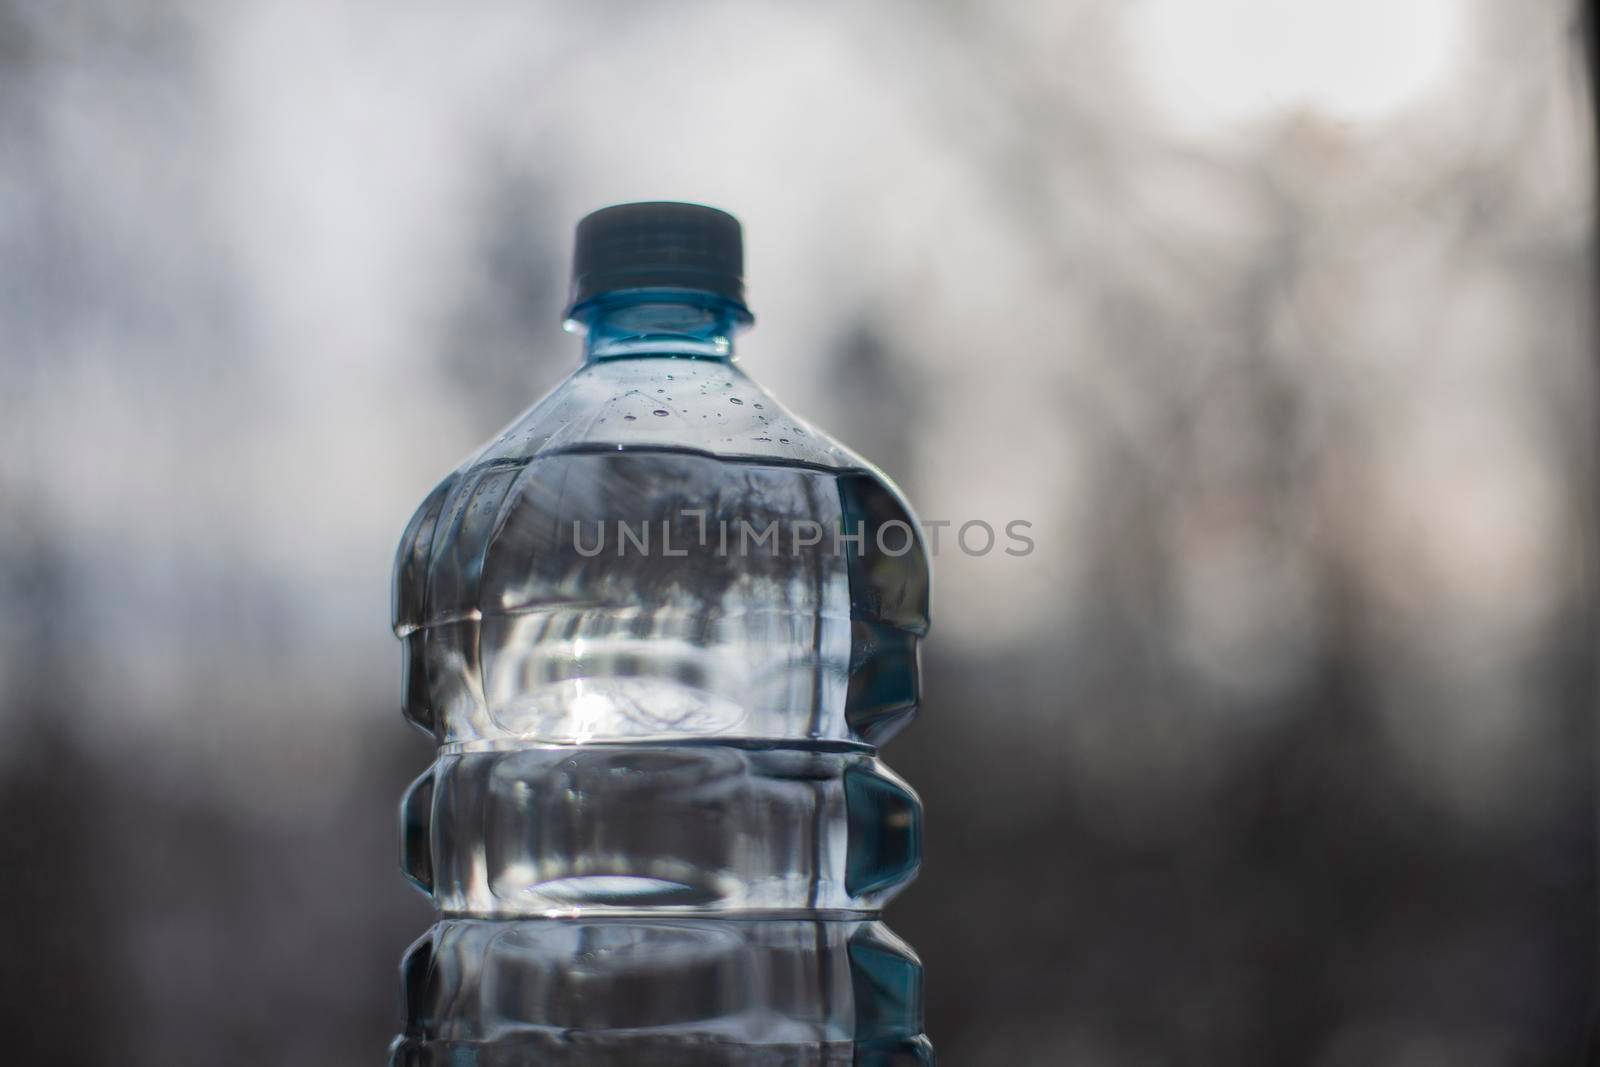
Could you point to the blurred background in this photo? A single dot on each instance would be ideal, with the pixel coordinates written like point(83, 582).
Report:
point(1274, 320)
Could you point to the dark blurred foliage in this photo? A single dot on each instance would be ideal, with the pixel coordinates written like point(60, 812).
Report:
point(1279, 750)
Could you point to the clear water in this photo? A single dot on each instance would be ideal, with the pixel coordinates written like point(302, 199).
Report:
point(701, 612)
point(657, 727)
point(668, 828)
point(696, 992)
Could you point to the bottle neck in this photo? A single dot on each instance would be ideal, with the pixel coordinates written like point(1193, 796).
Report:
point(640, 323)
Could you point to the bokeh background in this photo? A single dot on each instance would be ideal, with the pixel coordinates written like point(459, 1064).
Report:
point(1273, 318)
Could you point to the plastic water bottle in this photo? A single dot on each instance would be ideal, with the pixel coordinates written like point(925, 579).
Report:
point(658, 628)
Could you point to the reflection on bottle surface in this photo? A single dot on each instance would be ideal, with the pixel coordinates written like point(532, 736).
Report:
point(657, 631)
point(661, 991)
point(677, 828)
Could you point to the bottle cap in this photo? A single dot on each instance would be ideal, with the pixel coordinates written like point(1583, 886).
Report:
point(657, 245)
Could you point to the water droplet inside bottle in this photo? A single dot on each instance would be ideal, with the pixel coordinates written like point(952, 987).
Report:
point(659, 411)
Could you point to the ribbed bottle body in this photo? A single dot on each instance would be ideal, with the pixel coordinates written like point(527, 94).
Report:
point(657, 629)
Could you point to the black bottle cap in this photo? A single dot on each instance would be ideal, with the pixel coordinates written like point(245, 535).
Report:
point(658, 245)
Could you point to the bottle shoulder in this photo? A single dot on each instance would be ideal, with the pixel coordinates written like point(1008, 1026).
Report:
point(694, 407)
point(708, 406)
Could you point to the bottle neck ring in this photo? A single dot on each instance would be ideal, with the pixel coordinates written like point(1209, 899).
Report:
point(640, 323)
